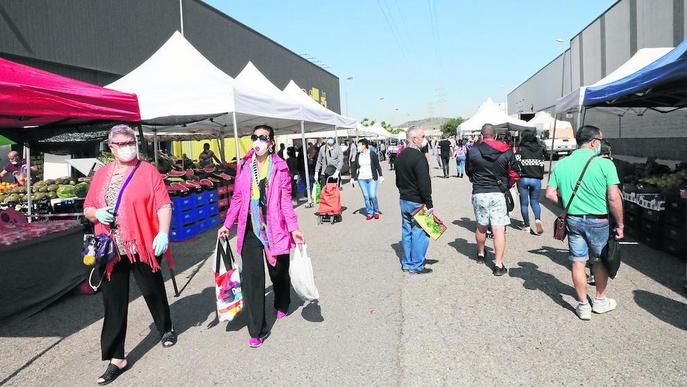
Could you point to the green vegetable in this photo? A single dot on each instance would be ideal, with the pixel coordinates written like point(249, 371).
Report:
point(65, 191)
point(80, 190)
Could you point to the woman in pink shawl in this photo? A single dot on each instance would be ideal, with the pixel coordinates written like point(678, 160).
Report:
point(128, 200)
point(267, 230)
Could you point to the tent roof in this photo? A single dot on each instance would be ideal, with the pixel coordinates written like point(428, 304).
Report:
point(177, 85)
point(510, 126)
point(30, 97)
point(488, 112)
point(661, 83)
point(546, 121)
point(640, 59)
point(313, 110)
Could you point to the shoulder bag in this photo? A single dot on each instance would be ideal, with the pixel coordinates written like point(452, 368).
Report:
point(559, 230)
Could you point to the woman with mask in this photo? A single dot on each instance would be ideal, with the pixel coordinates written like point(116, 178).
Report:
point(531, 157)
point(367, 171)
point(267, 230)
point(128, 201)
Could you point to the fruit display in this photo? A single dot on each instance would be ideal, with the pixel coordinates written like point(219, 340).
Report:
point(666, 181)
point(183, 181)
point(5, 186)
point(16, 233)
point(14, 196)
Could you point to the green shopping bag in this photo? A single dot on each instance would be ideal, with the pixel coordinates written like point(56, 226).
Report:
point(316, 190)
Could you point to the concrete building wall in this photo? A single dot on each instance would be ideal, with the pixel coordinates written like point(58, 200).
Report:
point(654, 23)
point(99, 41)
point(617, 21)
point(575, 60)
point(591, 58)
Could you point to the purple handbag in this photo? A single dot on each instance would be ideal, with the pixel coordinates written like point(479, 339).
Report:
point(98, 251)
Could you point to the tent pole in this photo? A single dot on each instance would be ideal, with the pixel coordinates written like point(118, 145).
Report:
point(336, 135)
point(221, 144)
point(27, 151)
point(553, 142)
point(305, 161)
point(156, 147)
point(145, 143)
point(584, 115)
point(236, 136)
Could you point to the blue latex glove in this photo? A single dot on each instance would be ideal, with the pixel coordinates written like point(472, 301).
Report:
point(104, 215)
point(160, 243)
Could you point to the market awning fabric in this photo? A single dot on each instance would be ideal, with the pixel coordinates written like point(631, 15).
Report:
point(30, 97)
point(662, 83)
point(488, 112)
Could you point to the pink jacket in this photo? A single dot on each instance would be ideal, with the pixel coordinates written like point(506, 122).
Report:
point(281, 218)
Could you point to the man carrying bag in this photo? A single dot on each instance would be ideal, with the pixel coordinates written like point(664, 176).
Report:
point(588, 186)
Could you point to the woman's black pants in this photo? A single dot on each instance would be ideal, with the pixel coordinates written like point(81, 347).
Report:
point(116, 300)
point(253, 282)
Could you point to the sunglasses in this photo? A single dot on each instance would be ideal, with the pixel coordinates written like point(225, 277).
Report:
point(128, 143)
point(261, 137)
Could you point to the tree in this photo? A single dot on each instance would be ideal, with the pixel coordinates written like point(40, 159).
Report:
point(365, 122)
point(451, 126)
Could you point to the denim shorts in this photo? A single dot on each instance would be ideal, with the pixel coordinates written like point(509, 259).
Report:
point(490, 208)
point(586, 237)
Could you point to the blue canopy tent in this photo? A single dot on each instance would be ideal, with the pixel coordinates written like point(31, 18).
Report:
point(661, 84)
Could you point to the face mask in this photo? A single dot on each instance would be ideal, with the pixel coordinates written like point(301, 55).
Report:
point(424, 142)
point(330, 142)
point(127, 154)
point(597, 150)
point(260, 147)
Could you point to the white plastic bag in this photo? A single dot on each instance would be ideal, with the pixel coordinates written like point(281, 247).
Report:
point(300, 271)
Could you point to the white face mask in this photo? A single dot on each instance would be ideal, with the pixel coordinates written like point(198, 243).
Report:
point(330, 142)
point(127, 154)
point(260, 147)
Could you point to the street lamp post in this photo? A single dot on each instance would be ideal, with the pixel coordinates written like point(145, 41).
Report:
point(347, 87)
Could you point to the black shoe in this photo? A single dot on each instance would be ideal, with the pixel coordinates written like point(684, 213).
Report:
point(426, 270)
point(169, 339)
point(404, 269)
point(490, 235)
point(111, 373)
point(480, 258)
point(499, 271)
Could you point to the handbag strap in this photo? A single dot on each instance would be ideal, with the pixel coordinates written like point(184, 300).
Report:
point(126, 183)
point(577, 185)
point(223, 254)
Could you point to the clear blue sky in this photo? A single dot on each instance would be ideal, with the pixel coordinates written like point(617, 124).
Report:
point(424, 57)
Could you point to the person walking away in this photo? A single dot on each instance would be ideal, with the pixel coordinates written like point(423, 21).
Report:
point(382, 150)
point(367, 171)
point(415, 189)
point(530, 156)
point(267, 230)
point(139, 227)
point(329, 162)
point(587, 222)
point(445, 150)
point(292, 163)
point(434, 145)
point(490, 166)
point(460, 153)
point(281, 151)
point(312, 161)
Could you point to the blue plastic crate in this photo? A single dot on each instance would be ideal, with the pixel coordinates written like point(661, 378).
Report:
point(213, 221)
point(183, 232)
point(212, 196)
point(183, 217)
point(181, 203)
point(202, 199)
point(213, 209)
point(200, 213)
point(203, 225)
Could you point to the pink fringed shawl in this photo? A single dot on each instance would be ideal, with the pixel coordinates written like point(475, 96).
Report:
point(137, 216)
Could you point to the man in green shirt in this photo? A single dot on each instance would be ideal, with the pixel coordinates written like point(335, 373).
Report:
point(587, 222)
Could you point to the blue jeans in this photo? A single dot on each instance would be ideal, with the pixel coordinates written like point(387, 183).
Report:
point(586, 237)
point(461, 165)
point(369, 188)
point(530, 192)
point(414, 239)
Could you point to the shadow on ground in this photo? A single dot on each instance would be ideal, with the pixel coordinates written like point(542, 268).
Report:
point(535, 279)
point(665, 309)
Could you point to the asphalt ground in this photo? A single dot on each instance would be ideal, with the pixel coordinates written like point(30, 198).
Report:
point(375, 325)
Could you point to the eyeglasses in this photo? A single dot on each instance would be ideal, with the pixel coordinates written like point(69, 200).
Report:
point(261, 137)
point(120, 144)
point(596, 138)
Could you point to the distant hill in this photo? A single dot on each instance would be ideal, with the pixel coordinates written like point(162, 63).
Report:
point(426, 123)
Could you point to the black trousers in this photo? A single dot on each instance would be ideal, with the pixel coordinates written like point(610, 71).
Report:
point(116, 300)
point(253, 282)
point(444, 164)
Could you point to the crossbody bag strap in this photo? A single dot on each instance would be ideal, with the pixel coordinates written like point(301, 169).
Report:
point(498, 181)
point(577, 185)
point(126, 183)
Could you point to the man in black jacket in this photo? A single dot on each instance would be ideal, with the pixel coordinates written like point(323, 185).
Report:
point(415, 188)
point(489, 166)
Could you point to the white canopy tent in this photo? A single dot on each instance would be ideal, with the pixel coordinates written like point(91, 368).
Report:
point(545, 121)
point(488, 112)
point(643, 57)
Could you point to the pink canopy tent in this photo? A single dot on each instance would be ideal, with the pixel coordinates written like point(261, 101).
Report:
point(30, 97)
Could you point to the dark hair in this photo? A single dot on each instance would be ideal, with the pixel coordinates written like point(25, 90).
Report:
point(291, 151)
point(586, 134)
point(206, 145)
point(488, 131)
point(460, 142)
point(528, 138)
point(267, 128)
point(365, 142)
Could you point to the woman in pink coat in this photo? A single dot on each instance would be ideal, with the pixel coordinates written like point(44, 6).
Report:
point(267, 230)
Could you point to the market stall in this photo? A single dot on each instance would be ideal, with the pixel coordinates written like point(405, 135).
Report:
point(655, 195)
point(41, 258)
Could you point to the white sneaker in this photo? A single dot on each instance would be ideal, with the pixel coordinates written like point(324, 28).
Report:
point(584, 311)
point(603, 305)
point(540, 226)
